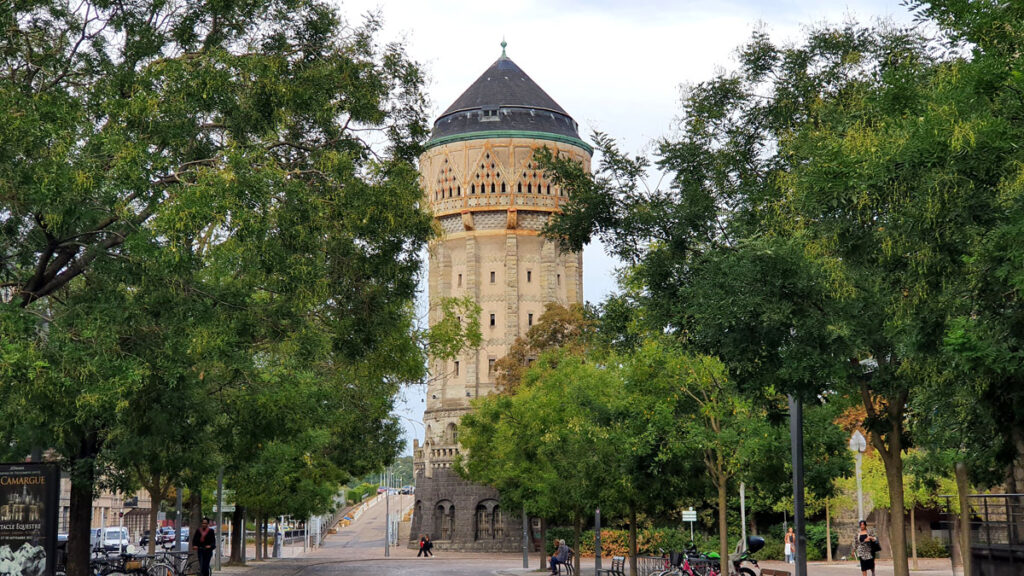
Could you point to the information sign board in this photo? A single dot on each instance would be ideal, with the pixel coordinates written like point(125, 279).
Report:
point(28, 519)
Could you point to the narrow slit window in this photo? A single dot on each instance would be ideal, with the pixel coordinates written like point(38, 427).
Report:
point(558, 278)
point(492, 276)
point(519, 188)
point(529, 319)
point(492, 319)
point(529, 276)
point(492, 187)
point(502, 187)
point(460, 281)
point(456, 367)
point(490, 366)
point(472, 188)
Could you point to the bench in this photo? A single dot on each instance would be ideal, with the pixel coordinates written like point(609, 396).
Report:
point(568, 565)
point(618, 567)
point(771, 572)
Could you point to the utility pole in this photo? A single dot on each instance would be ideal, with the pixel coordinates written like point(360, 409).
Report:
point(796, 434)
point(220, 515)
point(526, 540)
point(387, 517)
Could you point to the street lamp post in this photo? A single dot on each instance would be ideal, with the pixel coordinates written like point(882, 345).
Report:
point(858, 445)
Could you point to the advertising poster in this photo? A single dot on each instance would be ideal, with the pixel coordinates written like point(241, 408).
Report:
point(28, 519)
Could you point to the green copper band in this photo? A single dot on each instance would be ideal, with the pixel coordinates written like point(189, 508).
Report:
point(510, 134)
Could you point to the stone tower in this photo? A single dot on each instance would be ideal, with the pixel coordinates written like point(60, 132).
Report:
point(491, 201)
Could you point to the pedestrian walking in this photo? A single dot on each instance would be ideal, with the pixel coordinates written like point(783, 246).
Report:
point(865, 546)
point(429, 546)
point(203, 543)
point(423, 546)
point(790, 546)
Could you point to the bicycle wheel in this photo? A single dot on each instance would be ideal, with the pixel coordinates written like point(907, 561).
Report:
point(747, 572)
point(161, 569)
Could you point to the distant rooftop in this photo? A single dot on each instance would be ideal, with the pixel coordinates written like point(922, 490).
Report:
point(504, 99)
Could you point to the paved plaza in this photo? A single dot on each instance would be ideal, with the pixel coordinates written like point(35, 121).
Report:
point(358, 550)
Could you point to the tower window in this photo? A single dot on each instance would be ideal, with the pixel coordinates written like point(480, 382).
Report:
point(490, 366)
point(492, 276)
point(472, 188)
point(519, 188)
point(456, 367)
point(529, 188)
point(492, 187)
point(549, 189)
point(460, 281)
point(529, 276)
point(502, 187)
point(529, 322)
point(492, 319)
point(558, 278)
point(458, 191)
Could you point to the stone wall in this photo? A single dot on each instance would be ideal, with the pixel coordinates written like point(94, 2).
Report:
point(461, 516)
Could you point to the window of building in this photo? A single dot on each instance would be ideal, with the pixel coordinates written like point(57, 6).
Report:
point(519, 187)
point(492, 187)
point(472, 188)
point(460, 280)
point(558, 279)
point(490, 366)
point(456, 367)
point(529, 188)
point(492, 276)
point(492, 319)
point(529, 319)
point(529, 276)
point(502, 187)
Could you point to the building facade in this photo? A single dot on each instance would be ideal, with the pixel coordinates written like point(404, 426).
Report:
point(491, 201)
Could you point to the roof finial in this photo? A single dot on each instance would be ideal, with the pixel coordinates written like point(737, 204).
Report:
point(503, 44)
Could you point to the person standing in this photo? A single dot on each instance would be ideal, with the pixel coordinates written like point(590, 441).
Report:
point(423, 546)
point(428, 546)
point(790, 546)
point(865, 546)
point(203, 543)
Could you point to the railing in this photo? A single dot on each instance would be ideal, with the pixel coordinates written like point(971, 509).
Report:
point(997, 534)
point(647, 565)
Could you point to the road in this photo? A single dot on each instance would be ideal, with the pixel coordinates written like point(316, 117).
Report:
point(358, 550)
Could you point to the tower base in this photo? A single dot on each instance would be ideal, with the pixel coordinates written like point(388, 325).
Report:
point(461, 516)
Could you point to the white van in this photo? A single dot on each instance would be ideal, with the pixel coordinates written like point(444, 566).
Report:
point(110, 539)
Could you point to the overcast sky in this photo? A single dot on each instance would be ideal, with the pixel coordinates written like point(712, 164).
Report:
point(614, 66)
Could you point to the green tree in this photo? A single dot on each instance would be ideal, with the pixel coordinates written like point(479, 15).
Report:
point(234, 140)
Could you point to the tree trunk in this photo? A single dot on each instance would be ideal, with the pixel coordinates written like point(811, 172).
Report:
point(577, 526)
point(913, 538)
point(195, 508)
point(1018, 462)
point(258, 536)
point(828, 535)
point(753, 523)
point(83, 480)
point(237, 536)
point(962, 491)
point(723, 534)
point(156, 497)
point(897, 519)
point(543, 548)
point(632, 539)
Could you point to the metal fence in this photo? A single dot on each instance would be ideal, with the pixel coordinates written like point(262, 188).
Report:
point(647, 565)
point(997, 534)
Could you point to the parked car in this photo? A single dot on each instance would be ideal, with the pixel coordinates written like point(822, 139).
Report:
point(165, 534)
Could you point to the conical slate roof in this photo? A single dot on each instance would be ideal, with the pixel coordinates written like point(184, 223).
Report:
point(504, 99)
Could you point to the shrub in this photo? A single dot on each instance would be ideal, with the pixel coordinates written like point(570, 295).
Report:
point(932, 548)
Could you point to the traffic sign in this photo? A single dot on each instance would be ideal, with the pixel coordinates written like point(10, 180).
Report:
point(689, 515)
